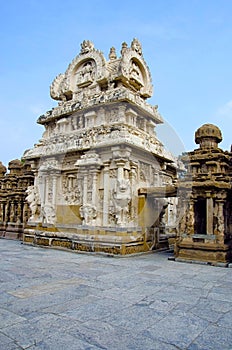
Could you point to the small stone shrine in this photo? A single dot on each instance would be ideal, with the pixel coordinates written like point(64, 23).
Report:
point(98, 149)
point(14, 209)
point(205, 231)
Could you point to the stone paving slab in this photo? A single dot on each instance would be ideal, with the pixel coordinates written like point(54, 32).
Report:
point(53, 299)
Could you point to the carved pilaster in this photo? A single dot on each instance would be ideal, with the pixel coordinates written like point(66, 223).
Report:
point(219, 227)
point(209, 213)
point(85, 187)
point(134, 199)
point(2, 210)
point(183, 216)
point(54, 189)
point(106, 179)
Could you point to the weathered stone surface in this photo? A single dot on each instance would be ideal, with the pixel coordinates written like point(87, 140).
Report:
point(98, 149)
point(205, 228)
point(14, 209)
point(87, 301)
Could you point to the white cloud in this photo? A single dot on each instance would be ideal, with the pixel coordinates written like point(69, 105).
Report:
point(225, 111)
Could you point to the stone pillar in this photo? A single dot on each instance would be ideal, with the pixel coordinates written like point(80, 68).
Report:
point(1, 211)
point(17, 211)
point(21, 209)
point(54, 189)
point(26, 212)
point(134, 198)
point(12, 211)
point(46, 190)
point(182, 215)
point(190, 217)
point(209, 216)
point(121, 113)
point(41, 182)
point(94, 187)
point(106, 181)
point(220, 224)
point(120, 165)
point(85, 187)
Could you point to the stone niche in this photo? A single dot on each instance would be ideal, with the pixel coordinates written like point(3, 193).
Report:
point(205, 230)
point(98, 149)
point(14, 209)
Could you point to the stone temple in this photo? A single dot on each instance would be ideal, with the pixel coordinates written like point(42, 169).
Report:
point(99, 180)
point(98, 155)
point(205, 200)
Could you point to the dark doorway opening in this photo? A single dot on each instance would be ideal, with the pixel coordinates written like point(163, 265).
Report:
point(200, 216)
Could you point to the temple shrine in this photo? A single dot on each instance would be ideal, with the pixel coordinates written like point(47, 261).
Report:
point(99, 179)
point(14, 208)
point(98, 150)
point(205, 228)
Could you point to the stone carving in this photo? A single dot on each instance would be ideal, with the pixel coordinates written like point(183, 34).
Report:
point(87, 164)
point(89, 213)
point(14, 208)
point(34, 202)
point(112, 54)
point(136, 46)
point(207, 182)
point(71, 189)
point(135, 73)
point(57, 88)
point(50, 164)
point(121, 197)
point(86, 74)
point(2, 170)
point(86, 46)
point(49, 214)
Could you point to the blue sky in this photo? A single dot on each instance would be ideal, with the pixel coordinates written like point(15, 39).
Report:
point(186, 44)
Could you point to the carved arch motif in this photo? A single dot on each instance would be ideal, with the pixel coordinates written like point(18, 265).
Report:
point(135, 71)
point(93, 66)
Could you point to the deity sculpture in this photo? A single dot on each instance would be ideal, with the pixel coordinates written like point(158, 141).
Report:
point(33, 200)
point(121, 198)
point(88, 213)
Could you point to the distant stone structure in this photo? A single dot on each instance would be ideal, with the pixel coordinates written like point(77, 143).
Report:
point(14, 210)
point(98, 149)
point(205, 192)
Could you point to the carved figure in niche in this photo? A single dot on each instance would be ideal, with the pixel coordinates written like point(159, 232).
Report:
point(89, 213)
point(135, 73)
point(86, 73)
point(49, 214)
point(218, 220)
point(33, 201)
point(71, 190)
point(121, 197)
point(190, 219)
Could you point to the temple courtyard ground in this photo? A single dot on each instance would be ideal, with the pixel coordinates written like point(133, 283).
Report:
point(52, 299)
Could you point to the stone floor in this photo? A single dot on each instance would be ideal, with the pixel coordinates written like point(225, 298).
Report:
point(53, 299)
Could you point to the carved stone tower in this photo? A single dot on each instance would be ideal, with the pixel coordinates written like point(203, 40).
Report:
point(99, 147)
point(205, 231)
